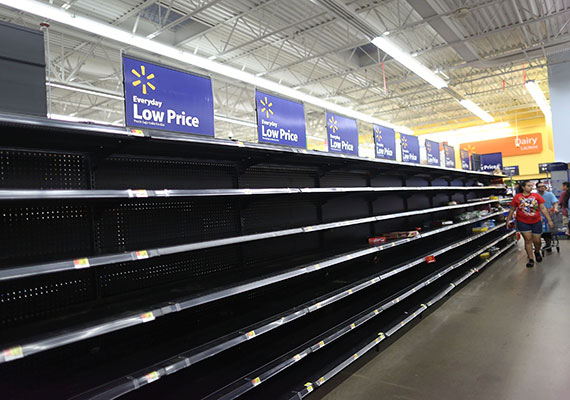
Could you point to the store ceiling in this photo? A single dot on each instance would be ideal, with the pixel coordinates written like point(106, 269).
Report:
point(304, 44)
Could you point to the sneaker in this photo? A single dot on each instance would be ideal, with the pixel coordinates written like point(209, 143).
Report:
point(530, 263)
point(537, 256)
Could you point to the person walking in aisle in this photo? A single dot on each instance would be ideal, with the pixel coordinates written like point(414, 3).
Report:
point(528, 207)
point(551, 204)
point(564, 197)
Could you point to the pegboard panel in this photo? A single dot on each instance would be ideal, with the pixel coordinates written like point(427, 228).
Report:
point(355, 235)
point(416, 181)
point(345, 207)
point(418, 201)
point(33, 233)
point(123, 172)
point(343, 179)
point(439, 182)
point(441, 199)
point(385, 180)
point(460, 196)
point(142, 223)
point(22, 169)
point(200, 267)
point(30, 299)
point(387, 204)
point(274, 213)
point(270, 176)
point(263, 255)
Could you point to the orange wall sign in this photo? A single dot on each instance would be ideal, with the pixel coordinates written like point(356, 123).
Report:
point(509, 146)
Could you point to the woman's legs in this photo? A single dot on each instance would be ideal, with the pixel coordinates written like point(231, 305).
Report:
point(528, 241)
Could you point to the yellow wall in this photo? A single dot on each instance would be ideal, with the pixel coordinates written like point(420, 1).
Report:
point(528, 164)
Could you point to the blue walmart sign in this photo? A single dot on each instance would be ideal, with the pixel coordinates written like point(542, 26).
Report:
point(280, 121)
point(162, 98)
point(410, 146)
point(384, 142)
point(449, 152)
point(432, 152)
point(342, 134)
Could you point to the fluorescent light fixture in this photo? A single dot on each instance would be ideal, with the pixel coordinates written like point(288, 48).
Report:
point(57, 14)
point(538, 96)
point(235, 121)
point(69, 118)
point(408, 61)
point(480, 132)
point(87, 91)
point(478, 111)
point(66, 6)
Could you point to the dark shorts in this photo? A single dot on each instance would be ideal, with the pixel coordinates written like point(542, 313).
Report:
point(535, 228)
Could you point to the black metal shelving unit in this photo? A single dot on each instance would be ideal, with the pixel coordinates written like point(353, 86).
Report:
point(214, 267)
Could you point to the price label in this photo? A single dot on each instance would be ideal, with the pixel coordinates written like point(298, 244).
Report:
point(309, 387)
point(250, 334)
point(376, 312)
point(321, 380)
point(81, 263)
point(355, 356)
point(352, 326)
point(256, 381)
point(137, 132)
point(152, 376)
point(319, 305)
point(141, 255)
point(430, 259)
point(138, 193)
point(147, 317)
point(13, 353)
point(297, 357)
point(321, 344)
point(240, 144)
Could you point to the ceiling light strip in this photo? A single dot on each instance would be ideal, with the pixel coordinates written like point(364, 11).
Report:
point(478, 111)
point(538, 96)
point(110, 32)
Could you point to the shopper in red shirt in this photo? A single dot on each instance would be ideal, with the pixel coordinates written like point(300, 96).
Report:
point(528, 207)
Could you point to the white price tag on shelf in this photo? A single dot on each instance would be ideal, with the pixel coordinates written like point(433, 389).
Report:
point(80, 263)
point(152, 376)
point(13, 353)
point(141, 254)
point(147, 317)
point(256, 381)
point(141, 193)
point(250, 334)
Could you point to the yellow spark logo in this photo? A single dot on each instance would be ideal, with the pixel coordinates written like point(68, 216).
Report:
point(378, 133)
point(266, 107)
point(146, 79)
point(404, 142)
point(333, 124)
point(470, 149)
point(428, 146)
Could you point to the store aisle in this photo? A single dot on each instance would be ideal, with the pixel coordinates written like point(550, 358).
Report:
point(505, 335)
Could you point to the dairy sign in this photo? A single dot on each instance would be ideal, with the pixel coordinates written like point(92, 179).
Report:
point(157, 97)
point(342, 134)
point(384, 142)
point(280, 121)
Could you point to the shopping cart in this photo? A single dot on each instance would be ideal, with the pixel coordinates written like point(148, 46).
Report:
point(556, 218)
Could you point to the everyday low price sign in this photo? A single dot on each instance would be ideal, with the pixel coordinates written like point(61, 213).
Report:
point(280, 121)
point(384, 142)
point(511, 170)
point(432, 153)
point(410, 146)
point(342, 134)
point(449, 153)
point(158, 97)
point(491, 162)
point(464, 155)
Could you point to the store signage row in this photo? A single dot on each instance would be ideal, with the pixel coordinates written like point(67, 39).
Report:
point(511, 170)
point(449, 153)
point(432, 152)
point(491, 162)
point(464, 155)
point(157, 97)
point(280, 121)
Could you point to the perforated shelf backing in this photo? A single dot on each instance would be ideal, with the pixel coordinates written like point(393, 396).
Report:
point(26, 169)
point(120, 172)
